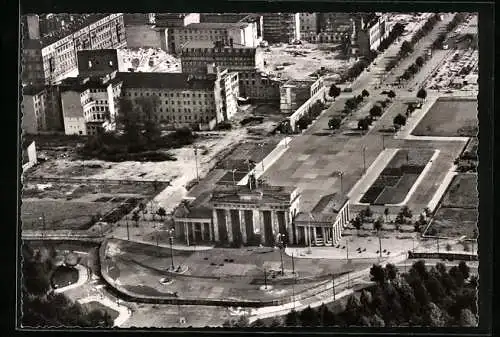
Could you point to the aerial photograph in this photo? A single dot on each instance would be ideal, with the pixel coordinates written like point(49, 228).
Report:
point(249, 170)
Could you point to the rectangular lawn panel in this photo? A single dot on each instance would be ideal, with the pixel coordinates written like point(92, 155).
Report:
point(462, 192)
point(371, 195)
point(449, 118)
point(60, 214)
point(397, 193)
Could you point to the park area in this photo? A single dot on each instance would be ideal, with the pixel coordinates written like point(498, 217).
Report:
point(458, 213)
point(237, 274)
point(396, 180)
point(450, 117)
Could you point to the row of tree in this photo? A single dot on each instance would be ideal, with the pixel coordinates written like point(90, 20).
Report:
point(413, 69)
point(457, 19)
point(407, 47)
point(313, 112)
point(403, 217)
point(41, 307)
point(431, 297)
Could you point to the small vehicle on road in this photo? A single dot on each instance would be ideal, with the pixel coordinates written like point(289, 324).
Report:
point(347, 90)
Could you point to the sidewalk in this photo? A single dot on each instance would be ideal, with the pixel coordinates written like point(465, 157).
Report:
point(120, 233)
point(124, 312)
point(83, 276)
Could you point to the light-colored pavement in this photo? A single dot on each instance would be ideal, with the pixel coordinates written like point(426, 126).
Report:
point(123, 311)
point(83, 276)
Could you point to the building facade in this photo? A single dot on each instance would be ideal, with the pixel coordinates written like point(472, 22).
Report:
point(97, 63)
point(240, 33)
point(184, 99)
point(146, 36)
point(90, 104)
point(370, 31)
point(309, 24)
point(281, 27)
point(41, 109)
point(325, 224)
point(51, 57)
point(294, 93)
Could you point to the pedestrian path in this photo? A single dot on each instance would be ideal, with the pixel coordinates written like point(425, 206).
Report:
point(83, 276)
point(124, 312)
point(120, 234)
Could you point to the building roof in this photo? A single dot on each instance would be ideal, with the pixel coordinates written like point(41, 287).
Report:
point(216, 25)
point(326, 210)
point(244, 195)
point(210, 45)
point(180, 81)
point(198, 208)
point(80, 21)
point(299, 83)
point(83, 83)
point(33, 89)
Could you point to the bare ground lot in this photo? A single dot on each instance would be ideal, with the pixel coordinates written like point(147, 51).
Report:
point(309, 59)
point(449, 118)
point(209, 276)
point(60, 214)
point(458, 213)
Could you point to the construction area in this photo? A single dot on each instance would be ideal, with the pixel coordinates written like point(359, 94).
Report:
point(147, 60)
point(300, 62)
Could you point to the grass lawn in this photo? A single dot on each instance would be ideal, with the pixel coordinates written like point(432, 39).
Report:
point(60, 214)
point(449, 118)
point(454, 222)
point(64, 276)
point(462, 192)
point(94, 305)
point(396, 194)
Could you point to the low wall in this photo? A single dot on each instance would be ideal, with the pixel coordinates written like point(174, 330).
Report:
point(92, 181)
point(443, 256)
point(304, 108)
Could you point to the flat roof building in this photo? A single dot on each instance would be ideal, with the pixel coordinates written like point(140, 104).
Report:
point(294, 93)
point(281, 27)
point(52, 56)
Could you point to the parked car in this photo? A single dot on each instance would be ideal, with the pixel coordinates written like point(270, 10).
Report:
point(347, 90)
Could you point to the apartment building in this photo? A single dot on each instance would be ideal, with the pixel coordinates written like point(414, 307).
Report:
point(196, 55)
point(281, 27)
point(49, 57)
point(294, 93)
point(371, 30)
point(41, 109)
point(89, 104)
point(335, 22)
point(255, 19)
point(246, 61)
point(309, 25)
point(98, 63)
point(172, 20)
point(184, 99)
point(240, 33)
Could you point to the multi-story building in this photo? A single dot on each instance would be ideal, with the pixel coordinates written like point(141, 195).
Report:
point(98, 63)
point(371, 30)
point(281, 27)
point(196, 55)
point(239, 215)
point(247, 61)
point(240, 33)
point(89, 104)
point(172, 20)
point(41, 109)
point(309, 25)
point(146, 36)
point(49, 57)
point(294, 93)
point(184, 99)
point(252, 18)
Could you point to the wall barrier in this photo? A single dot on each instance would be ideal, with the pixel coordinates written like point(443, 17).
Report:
point(94, 181)
point(304, 108)
point(445, 256)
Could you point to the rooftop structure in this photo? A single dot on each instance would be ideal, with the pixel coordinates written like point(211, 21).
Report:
point(179, 81)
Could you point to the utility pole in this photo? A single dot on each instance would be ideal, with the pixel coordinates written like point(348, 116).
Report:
point(364, 159)
point(265, 279)
point(333, 286)
point(347, 251)
point(196, 163)
point(128, 231)
point(293, 266)
point(341, 174)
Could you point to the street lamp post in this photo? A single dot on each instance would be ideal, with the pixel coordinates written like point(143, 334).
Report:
point(265, 279)
point(171, 239)
point(280, 242)
point(196, 163)
point(333, 286)
point(347, 251)
point(364, 159)
point(128, 231)
point(383, 142)
point(293, 266)
point(262, 152)
point(341, 174)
